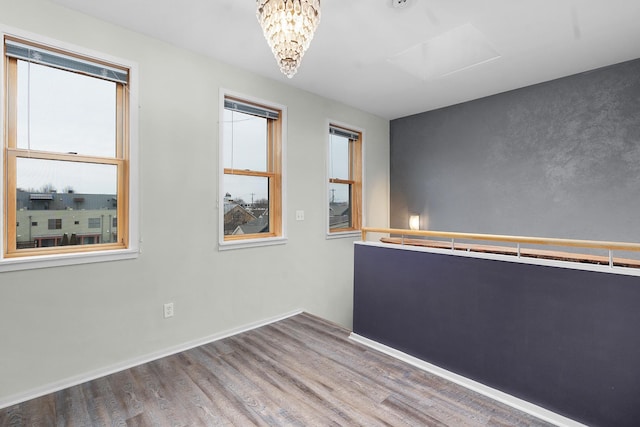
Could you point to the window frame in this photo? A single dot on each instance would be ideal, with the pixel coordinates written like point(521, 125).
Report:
point(356, 180)
point(276, 172)
point(10, 258)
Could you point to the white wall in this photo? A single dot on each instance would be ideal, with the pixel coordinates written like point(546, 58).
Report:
point(62, 322)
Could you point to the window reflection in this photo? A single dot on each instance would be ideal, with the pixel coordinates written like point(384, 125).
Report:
point(246, 205)
point(339, 159)
point(65, 112)
point(245, 141)
point(339, 206)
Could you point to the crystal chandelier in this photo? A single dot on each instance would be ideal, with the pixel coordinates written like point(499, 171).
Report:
point(288, 26)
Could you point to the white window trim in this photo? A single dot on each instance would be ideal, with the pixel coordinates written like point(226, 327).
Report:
point(343, 234)
point(258, 242)
point(55, 260)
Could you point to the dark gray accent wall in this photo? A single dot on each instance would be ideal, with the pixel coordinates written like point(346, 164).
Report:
point(558, 159)
point(564, 339)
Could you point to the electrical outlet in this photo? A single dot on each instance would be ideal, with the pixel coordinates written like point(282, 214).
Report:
point(168, 310)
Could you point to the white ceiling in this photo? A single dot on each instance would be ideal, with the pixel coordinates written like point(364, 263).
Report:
point(382, 60)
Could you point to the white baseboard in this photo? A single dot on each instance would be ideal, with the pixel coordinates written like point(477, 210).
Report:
point(507, 399)
point(107, 370)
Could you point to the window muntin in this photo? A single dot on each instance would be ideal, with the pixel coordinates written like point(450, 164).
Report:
point(252, 177)
point(345, 180)
point(66, 149)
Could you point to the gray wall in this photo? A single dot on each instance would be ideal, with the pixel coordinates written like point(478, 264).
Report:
point(558, 159)
point(560, 338)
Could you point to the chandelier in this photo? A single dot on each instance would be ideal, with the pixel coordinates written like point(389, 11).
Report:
point(288, 26)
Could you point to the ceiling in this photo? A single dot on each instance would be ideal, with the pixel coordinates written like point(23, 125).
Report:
point(397, 62)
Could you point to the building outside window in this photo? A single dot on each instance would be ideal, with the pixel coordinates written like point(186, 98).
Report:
point(251, 154)
point(345, 180)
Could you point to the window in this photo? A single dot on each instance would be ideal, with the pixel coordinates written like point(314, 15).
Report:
point(251, 182)
point(55, 224)
point(67, 149)
point(345, 180)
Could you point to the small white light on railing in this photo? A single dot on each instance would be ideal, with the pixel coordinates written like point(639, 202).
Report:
point(414, 222)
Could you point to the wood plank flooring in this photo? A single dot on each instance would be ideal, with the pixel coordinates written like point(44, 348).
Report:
point(302, 371)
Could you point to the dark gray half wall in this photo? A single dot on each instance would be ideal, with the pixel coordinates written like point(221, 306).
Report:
point(561, 338)
point(558, 159)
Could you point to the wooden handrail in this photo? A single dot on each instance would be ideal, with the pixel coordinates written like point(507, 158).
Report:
point(594, 244)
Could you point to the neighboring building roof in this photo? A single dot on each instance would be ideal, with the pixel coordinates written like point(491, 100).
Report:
point(61, 201)
point(259, 225)
point(339, 209)
point(228, 206)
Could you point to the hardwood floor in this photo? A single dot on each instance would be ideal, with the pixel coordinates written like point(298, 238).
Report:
point(302, 371)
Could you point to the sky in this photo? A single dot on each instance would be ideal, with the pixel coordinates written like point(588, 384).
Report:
point(68, 113)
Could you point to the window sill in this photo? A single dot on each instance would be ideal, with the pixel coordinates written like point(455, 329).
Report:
point(59, 260)
point(344, 234)
point(251, 243)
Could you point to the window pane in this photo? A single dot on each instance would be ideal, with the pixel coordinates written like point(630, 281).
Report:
point(65, 112)
point(245, 141)
point(65, 203)
point(246, 205)
point(55, 224)
point(339, 206)
point(339, 157)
